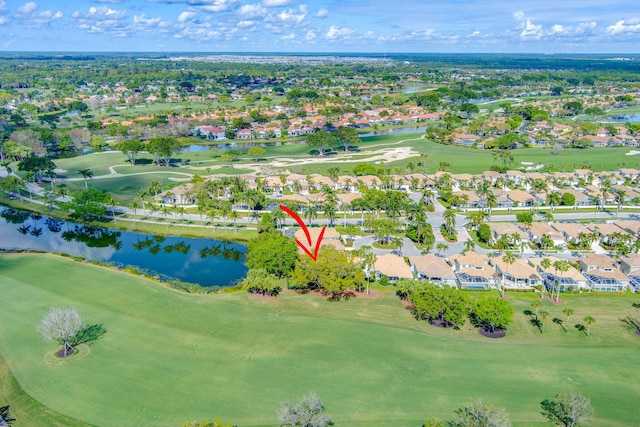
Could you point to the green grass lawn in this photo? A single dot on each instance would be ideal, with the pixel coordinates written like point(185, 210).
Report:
point(168, 357)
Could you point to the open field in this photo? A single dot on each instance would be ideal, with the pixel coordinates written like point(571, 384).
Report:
point(380, 150)
point(168, 357)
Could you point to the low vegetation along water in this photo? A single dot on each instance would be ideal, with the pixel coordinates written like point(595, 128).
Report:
point(207, 262)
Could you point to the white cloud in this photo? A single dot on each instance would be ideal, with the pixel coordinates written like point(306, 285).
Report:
point(519, 16)
point(289, 37)
point(335, 33)
point(249, 11)
point(28, 13)
point(245, 24)
point(292, 16)
point(106, 1)
point(531, 31)
point(142, 23)
point(624, 26)
point(27, 8)
point(3, 7)
point(310, 36)
point(215, 6)
point(202, 5)
point(322, 13)
point(474, 34)
point(186, 16)
point(276, 3)
point(104, 20)
point(3, 20)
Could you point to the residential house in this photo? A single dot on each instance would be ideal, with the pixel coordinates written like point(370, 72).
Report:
point(602, 273)
point(582, 199)
point(539, 229)
point(519, 274)
point(433, 268)
point(571, 279)
point(632, 227)
point(473, 270)
point(630, 265)
point(515, 176)
point(330, 237)
point(520, 198)
point(465, 139)
point(499, 229)
point(392, 266)
point(609, 232)
point(209, 132)
point(571, 231)
point(243, 134)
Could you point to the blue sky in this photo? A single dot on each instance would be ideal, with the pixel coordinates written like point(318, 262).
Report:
point(546, 26)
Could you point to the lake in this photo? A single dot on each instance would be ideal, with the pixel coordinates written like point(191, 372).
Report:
point(633, 118)
point(207, 262)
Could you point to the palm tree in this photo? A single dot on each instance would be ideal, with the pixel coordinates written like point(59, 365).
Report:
point(545, 263)
point(492, 202)
point(331, 213)
point(536, 304)
point(278, 216)
point(154, 187)
point(562, 265)
point(509, 258)
point(589, 320)
point(311, 213)
point(469, 245)
point(86, 175)
point(605, 185)
point(619, 198)
point(442, 247)
point(449, 216)
point(544, 314)
point(568, 312)
point(234, 216)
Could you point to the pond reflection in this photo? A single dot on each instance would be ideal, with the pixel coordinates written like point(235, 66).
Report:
point(206, 262)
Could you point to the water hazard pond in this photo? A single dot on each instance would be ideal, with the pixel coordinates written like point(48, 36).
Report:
point(207, 262)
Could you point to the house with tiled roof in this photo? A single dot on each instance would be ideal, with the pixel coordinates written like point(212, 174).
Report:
point(331, 236)
point(465, 139)
point(392, 266)
point(520, 198)
point(209, 132)
point(571, 279)
point(630, 265)
point(433, 268)
point(603, 273)
point(499, 229)
point(519, 274)
point(539, 229)
point(570, 230)
point(473, 270)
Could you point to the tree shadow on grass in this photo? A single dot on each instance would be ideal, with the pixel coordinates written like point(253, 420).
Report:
point(533, 319)
point(89, 334)
point(632, 324)
point(581, 328)
point(560, 322)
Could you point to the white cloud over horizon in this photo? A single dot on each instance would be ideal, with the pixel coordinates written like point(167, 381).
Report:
point(373, 25)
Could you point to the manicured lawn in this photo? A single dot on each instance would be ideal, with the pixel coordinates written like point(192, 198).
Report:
point(168, 357)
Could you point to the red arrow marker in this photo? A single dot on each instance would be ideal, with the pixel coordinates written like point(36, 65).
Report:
point(314, 255)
